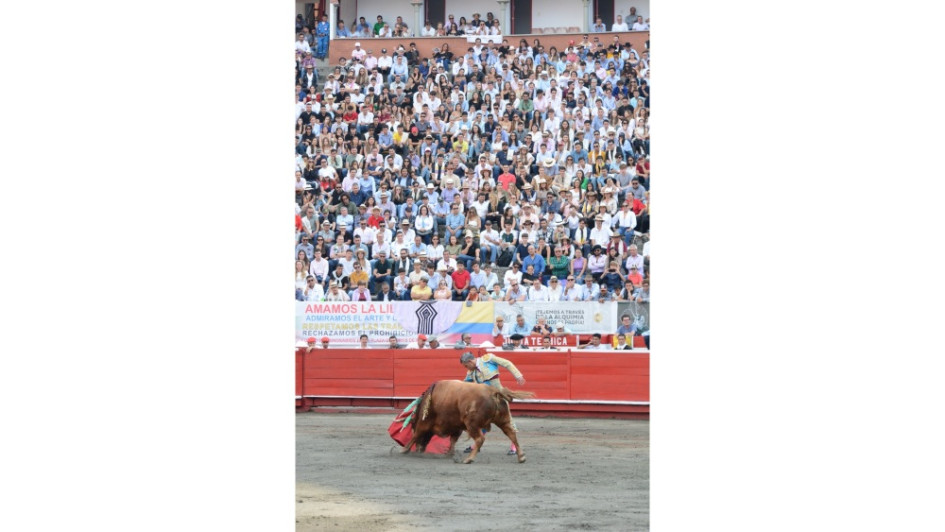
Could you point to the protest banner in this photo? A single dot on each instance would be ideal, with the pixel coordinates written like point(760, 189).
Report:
point(577, 317)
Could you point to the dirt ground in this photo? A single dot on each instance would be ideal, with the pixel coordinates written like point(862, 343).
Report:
point(590, 474)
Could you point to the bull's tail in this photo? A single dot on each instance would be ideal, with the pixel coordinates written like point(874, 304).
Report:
point(509, 395)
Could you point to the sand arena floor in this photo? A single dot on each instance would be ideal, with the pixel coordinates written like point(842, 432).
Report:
point(590, 474)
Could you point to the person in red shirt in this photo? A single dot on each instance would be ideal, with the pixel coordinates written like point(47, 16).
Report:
point(351, 115)
point(506, 178)
point(461, 282)
point(376, 218)
point(643, 170)
point(634, 276)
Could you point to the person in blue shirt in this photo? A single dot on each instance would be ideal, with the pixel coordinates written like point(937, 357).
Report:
point(385, 139)
point(612, 278)
point(441, 209)
point(322, 31)
point(535, 260)
point(477, 277)
point(366, 183)
point(341, 31)
point(580, 152)
point(520, 326)
point(455, 222)
point(357, 196)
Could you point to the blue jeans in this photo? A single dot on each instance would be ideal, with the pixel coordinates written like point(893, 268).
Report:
point(372, 284)
point(493, 251)
point(322, 49)
point(468, 259)
point(626, 233)
point(450, 231)
point(460, 295)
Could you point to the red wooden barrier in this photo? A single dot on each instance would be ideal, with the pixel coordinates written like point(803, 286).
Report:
point(566, 382)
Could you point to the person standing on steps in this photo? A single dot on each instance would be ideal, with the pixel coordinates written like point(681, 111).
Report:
point(321, 32)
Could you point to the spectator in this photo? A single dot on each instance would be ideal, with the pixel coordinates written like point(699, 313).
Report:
point(313, 290)
point(523, 162)
point(619, 25)
point(626, 325)
point(361, 293)
point(461, 281)
point(335, 294)
point(322, 31)
point(428, 30)
point(420, 291)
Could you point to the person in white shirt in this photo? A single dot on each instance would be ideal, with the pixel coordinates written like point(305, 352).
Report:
point(381, 247)
point(409, 233)
point(555, 289)
point(358, 52)
point(489, 240)
point(384, 63)
point(334, 294)
point(428, 30)
point(366, 232)
point(365, 119)
point(501, 327)
point(619, 25)
point(512, 274)
point(537, 292)
point(600, 235)
point(639, 25)
point(491, 278)
point(625, 222)
point(328, 171)
point(446, 263)
point(319, 266)
point(347, 262)
point(313, 291)
point(634, 259)
point(399, 244)
point(301, 45)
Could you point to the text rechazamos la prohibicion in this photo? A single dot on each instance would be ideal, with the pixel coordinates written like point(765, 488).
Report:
point(353, 331)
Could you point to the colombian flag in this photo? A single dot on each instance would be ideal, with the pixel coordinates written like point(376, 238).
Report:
point(475, 318)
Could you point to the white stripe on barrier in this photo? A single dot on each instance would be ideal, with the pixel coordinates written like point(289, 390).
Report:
point(538, 401)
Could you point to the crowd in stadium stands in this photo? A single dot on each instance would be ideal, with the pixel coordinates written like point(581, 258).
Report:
point(503, 173)
point(360, 29)
point(451, 27)
point(620, 341)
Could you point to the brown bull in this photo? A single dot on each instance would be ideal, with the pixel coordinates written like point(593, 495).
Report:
point(447, 408)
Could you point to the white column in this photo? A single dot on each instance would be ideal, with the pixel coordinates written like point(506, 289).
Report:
point(587, 16)
point(417, 24)
point(332, 19)
point(504, 16)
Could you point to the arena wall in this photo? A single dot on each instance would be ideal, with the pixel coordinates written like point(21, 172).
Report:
point(567, 383)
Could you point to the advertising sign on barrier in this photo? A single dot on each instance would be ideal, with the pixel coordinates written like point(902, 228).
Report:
point(343, 322)
point(557, 341)
point(587, 317)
